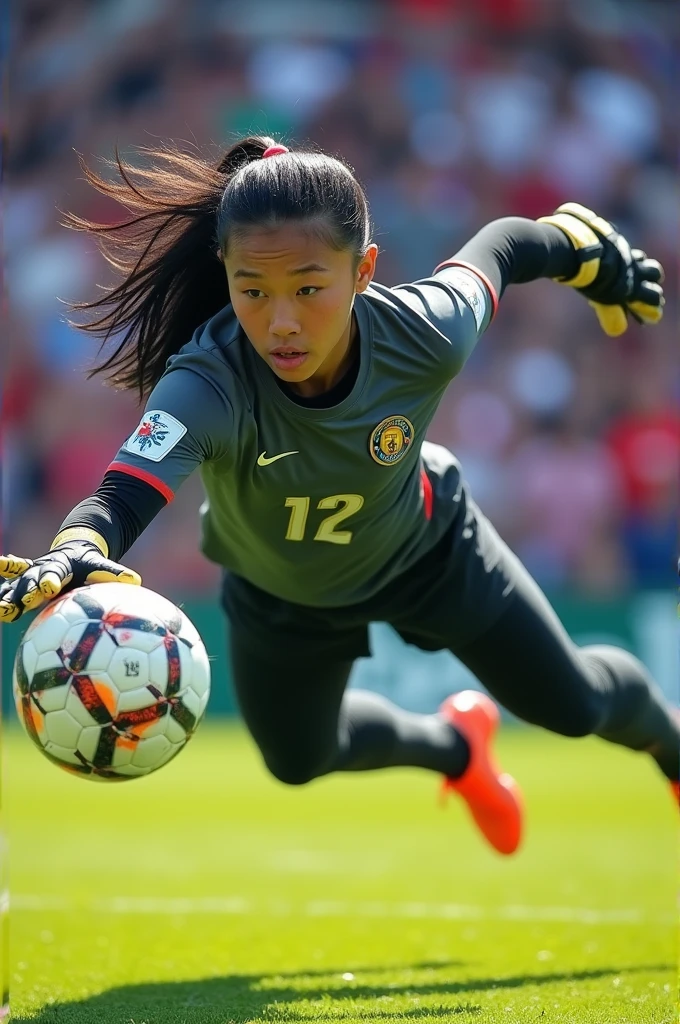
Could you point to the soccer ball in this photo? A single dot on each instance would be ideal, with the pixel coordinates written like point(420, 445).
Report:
point(111, 680)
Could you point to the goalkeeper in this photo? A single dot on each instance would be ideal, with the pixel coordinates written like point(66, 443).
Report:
point(247, 317)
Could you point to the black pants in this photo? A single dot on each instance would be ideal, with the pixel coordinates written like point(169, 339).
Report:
point(471, 596)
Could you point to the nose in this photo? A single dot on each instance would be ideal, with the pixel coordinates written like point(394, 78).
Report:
point(283, 323)
point(284, 328)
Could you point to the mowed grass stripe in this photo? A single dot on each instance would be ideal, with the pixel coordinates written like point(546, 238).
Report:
point(180, 906)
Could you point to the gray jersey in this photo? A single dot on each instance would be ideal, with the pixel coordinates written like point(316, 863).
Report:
point(321, 507)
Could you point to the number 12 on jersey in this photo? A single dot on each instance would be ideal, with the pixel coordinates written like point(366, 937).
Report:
point(350, 504)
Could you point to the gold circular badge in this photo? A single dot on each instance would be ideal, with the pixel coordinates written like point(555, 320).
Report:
point(391, 439)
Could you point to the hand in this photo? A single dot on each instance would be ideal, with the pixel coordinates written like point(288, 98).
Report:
point(72, 563)
point(618, 281)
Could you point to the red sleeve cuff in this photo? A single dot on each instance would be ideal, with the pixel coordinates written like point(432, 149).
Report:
point(482, 277)
point(142, 474)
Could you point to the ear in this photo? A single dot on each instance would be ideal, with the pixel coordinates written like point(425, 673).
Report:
point(219, 255)
point(366, 269)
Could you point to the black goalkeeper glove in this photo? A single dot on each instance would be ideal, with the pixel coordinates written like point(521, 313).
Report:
point(617, 281)
point(77, 557)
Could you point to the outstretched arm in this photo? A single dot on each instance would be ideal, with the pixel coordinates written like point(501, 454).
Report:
point(149, 467)
point(574, 247)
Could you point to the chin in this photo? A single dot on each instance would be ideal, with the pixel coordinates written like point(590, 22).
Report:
point(297, 369)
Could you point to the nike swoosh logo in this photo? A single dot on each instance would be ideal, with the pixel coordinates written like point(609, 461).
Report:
point(264, 461)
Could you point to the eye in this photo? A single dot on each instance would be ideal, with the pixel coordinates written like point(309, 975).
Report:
point(253, 293)
point(309, 289)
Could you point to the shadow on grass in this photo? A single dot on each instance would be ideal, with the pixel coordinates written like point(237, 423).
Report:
point(241, 998)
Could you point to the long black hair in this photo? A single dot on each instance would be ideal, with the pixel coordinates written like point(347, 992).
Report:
point(182, 210)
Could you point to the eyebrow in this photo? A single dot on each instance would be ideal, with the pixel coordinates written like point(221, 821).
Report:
point(308, 268)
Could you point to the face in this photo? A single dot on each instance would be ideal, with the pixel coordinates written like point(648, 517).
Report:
point(293, 295)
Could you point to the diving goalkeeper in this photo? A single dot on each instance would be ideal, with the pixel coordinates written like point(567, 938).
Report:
point(247, 317)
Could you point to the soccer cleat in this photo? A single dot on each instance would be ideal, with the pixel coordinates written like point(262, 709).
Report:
point(494, 798)
point(675, 789)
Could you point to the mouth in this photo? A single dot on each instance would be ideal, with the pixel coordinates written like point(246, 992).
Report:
point(287, 357)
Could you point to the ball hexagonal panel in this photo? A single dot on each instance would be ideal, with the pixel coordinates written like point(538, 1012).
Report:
point(135, 700)
point(89, 741)
point(78, 644)
point(129, 669)
point(101, 654)
point(78, 711)
point(186, 660)
point(191, 701)
point(71, 610)
point(62, 728)
point(144, 603)
point(37, 718)
point(174, 731)
point(49, 683)
point(122, 755)
point(151, 753)
point(30, 658)
point(132, 771)
point(158, 668)
point(97, 689)
point(48, 634)
point(61, 753)
point(200, 676)
point(137, 639)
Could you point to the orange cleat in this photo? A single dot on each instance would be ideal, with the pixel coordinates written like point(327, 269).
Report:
point(494, 798)
point(675, 789)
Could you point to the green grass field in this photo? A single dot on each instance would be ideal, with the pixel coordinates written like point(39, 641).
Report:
point(210, 894)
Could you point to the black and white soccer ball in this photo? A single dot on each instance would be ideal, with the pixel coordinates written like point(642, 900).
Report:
point(111, 680)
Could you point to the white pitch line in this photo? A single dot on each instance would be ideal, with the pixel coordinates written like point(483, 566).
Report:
point(238, 906)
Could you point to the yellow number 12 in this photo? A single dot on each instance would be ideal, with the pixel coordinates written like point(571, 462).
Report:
point(351, 503)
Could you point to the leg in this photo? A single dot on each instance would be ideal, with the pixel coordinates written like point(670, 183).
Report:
point(528, 662)
point(305, 725)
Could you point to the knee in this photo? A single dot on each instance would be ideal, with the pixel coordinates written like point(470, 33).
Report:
point(583, 714)
point(297, 767)
point(582, 720)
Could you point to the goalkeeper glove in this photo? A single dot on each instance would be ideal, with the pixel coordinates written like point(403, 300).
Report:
point(77, 557)
point(616, 279)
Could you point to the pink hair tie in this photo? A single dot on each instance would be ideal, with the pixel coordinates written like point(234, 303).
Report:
point(275, 150)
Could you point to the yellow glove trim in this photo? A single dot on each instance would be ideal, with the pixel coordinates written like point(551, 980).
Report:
point(613, 319)
point(581, 237)
point(589, 216)
point(650, 314)
point(81, 533)
point(12, 566)
point(104, 576)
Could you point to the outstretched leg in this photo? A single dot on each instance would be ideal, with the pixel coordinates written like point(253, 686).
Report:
point(528, 662)
point(306, 724)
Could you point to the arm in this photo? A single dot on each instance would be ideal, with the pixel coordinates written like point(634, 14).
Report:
point(515, 250)
point(575, 247)
point(149, 467)
point(117, 513)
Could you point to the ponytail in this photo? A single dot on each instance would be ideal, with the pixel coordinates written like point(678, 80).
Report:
point(173, 278)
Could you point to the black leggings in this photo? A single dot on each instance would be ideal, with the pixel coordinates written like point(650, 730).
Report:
point(306, 724)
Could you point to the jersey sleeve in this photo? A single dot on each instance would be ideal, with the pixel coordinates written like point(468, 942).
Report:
point(458, 303)
point(187, 421)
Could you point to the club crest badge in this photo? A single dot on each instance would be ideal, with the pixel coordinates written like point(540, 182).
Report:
point(391, 440)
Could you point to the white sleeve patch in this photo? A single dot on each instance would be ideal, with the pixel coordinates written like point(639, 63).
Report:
point(156, 435)
point(472, 290)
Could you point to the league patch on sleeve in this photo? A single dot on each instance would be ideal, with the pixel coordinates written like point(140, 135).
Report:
point(472, 290)
point(156, 435)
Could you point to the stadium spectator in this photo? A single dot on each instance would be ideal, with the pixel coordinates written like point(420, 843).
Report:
point(452, 113)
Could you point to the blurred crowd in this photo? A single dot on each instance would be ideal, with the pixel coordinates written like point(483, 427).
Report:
point(452, 112)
